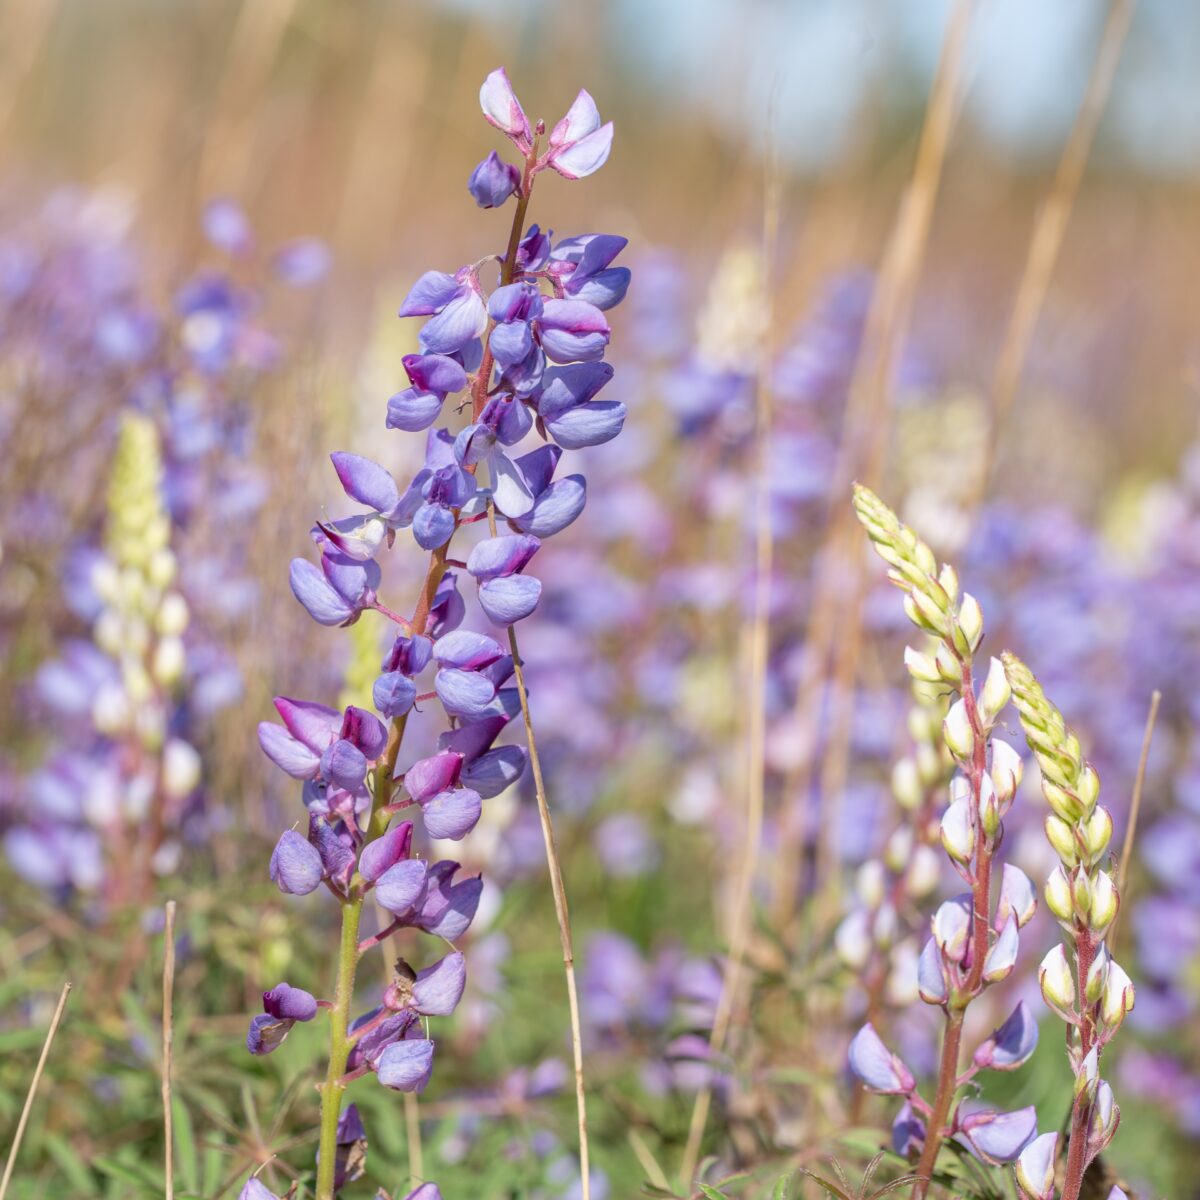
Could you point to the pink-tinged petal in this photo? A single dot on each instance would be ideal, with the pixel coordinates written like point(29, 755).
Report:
point(501, 107)
point(385, 851)
point(366, 481)
point(428, 776)
point(406, 1065)
point(401, 886)
point(286, 752)
point(316, 725)
point(510, 599)
point(365, 730)
point(503, 555)
point(583, 117)
point(467, 650)
point(435, 373)
point(1012, 1043)
point(1000, 1137)
point(315, 593)
point(432, 292)
point(296, 866)
point(438, 989)
point(1035, 1167)
point(584, 157)
point(452, 814)
point(876, 1066)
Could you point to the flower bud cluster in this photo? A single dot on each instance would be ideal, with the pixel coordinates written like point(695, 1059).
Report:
point(972, 946)
point(1080, 980)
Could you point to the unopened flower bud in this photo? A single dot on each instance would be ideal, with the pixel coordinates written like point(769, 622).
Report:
point(1058, 895)
point(172, 618)
point(951, 928)
point(852, 940)
point(1007, 770)
point(958, 836)
point(948, 578)
point(957, 731)
point(948, 666)
point(1097, 833)
point(161, 569)
point(181, 768)
point(1105, 902)
point(1056, 980)
point(931, 761)
point(1061, 801)
point(1035, 1167)
point(970, 620)
point(1002, 957)
point(1102, 1125)
point(898, 851)
point(989, 809)
point(924, 872)
point(1088, 788)
point(925, 614)
point(170, 661)
point(1087, 1078)
point(922, 667)
point(996, 693)
point(1081, 893)
point(1061, 836)
point(871, 883)
point(1097, 975)
point(1118, 996)
point(906, 784)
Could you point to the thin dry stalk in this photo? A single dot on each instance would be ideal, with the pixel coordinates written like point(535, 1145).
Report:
point(1049, 231)
point(168, 1041)
point(1135, 808)
point(836, 612)
point(764, 553)
point(33, 1087)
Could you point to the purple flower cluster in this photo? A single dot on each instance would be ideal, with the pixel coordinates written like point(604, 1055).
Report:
point(528, 358)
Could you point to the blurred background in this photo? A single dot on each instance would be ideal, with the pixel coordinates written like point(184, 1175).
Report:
point(994, 324)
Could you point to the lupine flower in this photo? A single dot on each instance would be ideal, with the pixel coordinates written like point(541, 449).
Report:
point(493, 181)
point(283, 1006)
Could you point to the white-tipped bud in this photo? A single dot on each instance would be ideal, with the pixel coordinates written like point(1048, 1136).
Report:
point(1061, 801)
point(924, 872)
point(925, 614)
point(1087, 1078)
point(1102, 1126)
point(931, 761)
point(1097, 975)
point(172, 618)
point(1081, 893)
point(109, 631)
point(898, 851)
point(989, 809)
point(996, 693)
point(111, 712)
point(958, 836)
point(1061, 836)
point(1118, 996)
point(1058, 895)
point(951, 929)
point(180, 767)
point(921, 667)
point(906, 784)
point(1105, 902)
point(1088, 790)
point(1007, 771)
point(948, 578)
point(970, 620)
point(1002, 957)
point(1056, 981)
point(1097, 833)
point(161, 569)
point(957, 731)
point(170, 661)
point(871, 883)
point(1035, 1167)
point(948, 665)
point(852, 941)
point(885, 925)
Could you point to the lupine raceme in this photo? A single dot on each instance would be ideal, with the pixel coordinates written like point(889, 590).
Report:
point(526, 363)
point(1081, 982)
point(974, 939)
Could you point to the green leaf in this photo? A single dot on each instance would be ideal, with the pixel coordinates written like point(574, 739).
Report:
point(186, 1160)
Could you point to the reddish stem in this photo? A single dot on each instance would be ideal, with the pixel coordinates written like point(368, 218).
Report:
point(1077, 1162)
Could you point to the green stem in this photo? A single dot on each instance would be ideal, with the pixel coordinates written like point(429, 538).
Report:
point(339, 1046)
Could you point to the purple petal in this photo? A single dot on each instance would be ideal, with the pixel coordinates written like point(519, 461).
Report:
point(448, 909)
point(287, 753)
point(313, 590)
point(344, 764)
point(393, 694)
point(1012, 1043)
point(432, 526)
point(228, 228)
point(494, 771)
point(406, 1065)
point(385, 851)
point(409, 655)
point(316, 725)
point(1000, 1137)
point(463, 693)
point(413, 411)
point(876, 1066)
point(302, 262)
point(572, 385)
point(428, 776)
point(538, 466)
point(503, 555)
point(365, 730)
point(461, 320)
point(511, 343)
point(452, 814)
point(366, 481)
point(288, 1003)
point(296, 866)
point(1035, 1166)
point(509, 488)
point(266, 1034)
point(588, 424)
point(438, 989)
point(908, 1132)
point(555, 508)
point(433, 291)
point(606, 289)
point(401, 886)
point(466, 649)
point(583, 117)
point(509, 600)
point(493, 181)
point(435, 373)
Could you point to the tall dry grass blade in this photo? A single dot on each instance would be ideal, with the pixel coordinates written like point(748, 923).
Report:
point(755, 754)
point(33, 1087)
point(1135, 808)
point(1049, 231)
point(168, 1043)
point(835, 617)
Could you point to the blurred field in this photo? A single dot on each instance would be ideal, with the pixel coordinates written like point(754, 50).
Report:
point(1073, 515)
